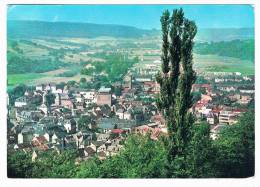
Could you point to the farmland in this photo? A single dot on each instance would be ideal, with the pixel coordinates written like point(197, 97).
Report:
point(215, 63)
point(60, 59)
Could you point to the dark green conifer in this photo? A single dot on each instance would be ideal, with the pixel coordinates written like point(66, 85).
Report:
point(176, 79)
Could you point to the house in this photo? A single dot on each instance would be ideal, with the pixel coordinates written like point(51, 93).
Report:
point(127, 115)
point(26, 135)
point(40, 143)
point(101, 155)
point(67, 103)
point(156, 132)
point(58, 136)
point(89, 151)
point(227, 118)
point(52, 87)
point(214, 132)
point(34, 156)
point(48, 136)
point(57, 100)
point(80, 105)
point(70, 126)
point(21, 101)
point(40, 87)
point(38, 140)
point(101, 148)
point(118, 131)
point(102, 136)
point(24, 115)
point(159, 119)
point(96, 144)
point(79, 97)
point(245, 99)
point(110, 123)
point(120, 113)
point(211, 118)
point(104, 96)
point(143, 129)
point(114, 148)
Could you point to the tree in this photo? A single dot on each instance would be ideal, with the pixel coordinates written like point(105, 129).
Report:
point(176, 79)
point(19, 165)
point(50, 99)
point(84, 122)
point(140, 158)
point(236, 148)
point(201, 157)
point(17, 92)
point(61, 85)
point(71, 83)
point(118, 91)
point(83, 80)
point(53, 165)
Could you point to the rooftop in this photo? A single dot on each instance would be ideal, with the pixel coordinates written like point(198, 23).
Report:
point(104, 90)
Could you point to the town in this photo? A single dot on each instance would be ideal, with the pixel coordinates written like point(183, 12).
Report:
point(96, 122)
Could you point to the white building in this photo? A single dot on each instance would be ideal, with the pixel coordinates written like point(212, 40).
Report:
point(21, 101)
point(120, 113)
point(227, 118)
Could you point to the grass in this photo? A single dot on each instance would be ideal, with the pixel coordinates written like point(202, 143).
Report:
point(15, 79)
point(215, 63)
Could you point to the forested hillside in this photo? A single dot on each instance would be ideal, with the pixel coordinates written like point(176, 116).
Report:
point(32, 29)
point(35, 29)
point(242, 49)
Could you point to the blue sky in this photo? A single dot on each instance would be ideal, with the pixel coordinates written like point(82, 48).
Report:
point(141, 16)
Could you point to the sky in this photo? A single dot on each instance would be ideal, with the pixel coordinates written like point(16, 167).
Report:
point(140, 16)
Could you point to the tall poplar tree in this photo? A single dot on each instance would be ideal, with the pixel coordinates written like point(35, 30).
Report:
point(176, 79)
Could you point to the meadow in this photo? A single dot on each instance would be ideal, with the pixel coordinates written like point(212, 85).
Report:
point(61, 59)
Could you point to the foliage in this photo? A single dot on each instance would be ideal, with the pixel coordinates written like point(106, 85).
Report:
point(201, 153)
point(83, 122)
point(50, 99)
point(176, 80)
point(118, 91)
point(19, 165)
point(236, 149)
point(242, 49)
point(19, 64)
point(114, 67)
point(231, 155)
point(54, 165)
point(141, 158)
point(83, 80)
point(16, 92)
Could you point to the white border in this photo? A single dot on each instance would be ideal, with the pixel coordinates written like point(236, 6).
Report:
point(118, 182)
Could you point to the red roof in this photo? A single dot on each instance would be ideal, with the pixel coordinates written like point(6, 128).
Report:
point(216, 110)
point(117, 131)
point(156, 133)
point(239, 110)
point(40, 140)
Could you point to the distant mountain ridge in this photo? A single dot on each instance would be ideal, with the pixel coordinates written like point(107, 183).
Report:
point(224, 34)
point(32, 29)
point(29, 29)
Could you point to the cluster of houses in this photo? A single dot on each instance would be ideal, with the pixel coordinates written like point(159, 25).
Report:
point(50, 118)
point(96, 122)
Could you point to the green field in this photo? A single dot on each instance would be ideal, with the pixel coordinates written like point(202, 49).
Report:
point(15, 79)
point(215, 63)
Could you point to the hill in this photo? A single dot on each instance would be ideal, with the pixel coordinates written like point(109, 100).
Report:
point(36, 29)
point(224, 34)
point(33, 29)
